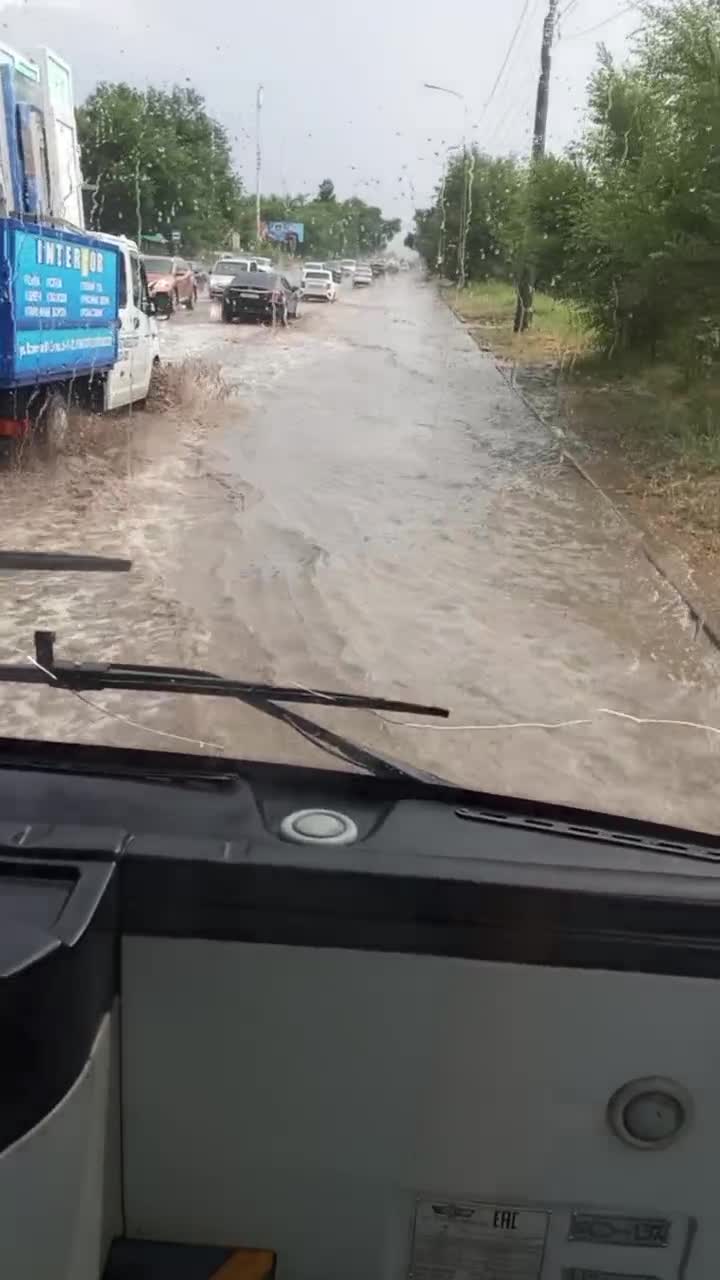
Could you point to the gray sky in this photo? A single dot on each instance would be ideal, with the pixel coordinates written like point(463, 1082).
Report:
point(343, 81)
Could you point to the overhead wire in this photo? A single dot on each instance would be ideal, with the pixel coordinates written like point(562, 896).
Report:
point(506, 59)
point(573, 4)
point(575, 35)
point(525, 19)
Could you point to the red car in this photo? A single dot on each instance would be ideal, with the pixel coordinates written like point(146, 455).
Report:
point(172, 283)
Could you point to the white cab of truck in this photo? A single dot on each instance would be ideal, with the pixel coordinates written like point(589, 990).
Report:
point(138, 343)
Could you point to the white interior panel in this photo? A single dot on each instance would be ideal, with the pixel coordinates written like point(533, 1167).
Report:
point(299, 1099)
point(54, 1220)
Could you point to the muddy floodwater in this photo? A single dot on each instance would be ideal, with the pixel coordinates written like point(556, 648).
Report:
point(361, 503)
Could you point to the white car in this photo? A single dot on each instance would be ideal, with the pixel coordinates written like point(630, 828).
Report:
point(314, 266)
point(362, 276)
point(225, 270)
point(318, 283)
point(347, 266)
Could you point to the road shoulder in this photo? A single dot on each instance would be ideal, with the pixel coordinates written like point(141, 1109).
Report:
point(576, 413)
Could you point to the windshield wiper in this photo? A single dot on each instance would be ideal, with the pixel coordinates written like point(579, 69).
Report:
point(92, 677)
point(60, 561)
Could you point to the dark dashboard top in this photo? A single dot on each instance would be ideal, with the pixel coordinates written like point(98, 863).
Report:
point(110, 803)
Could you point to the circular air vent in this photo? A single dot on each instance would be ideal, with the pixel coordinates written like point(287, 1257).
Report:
point(649, 1113)
point(318, 826)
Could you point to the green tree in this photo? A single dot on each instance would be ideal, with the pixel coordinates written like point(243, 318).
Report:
point(157, 163)
point(326, 190)
point(475, 213)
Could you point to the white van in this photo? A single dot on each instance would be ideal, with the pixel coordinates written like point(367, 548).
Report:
point(138, 341)
point(225, 270)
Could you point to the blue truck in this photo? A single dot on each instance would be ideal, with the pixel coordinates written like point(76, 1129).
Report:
point(76, 320)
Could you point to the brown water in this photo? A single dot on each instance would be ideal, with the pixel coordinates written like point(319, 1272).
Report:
point(369, 509)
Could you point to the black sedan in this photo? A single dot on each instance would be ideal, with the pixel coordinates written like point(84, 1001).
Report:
point(260, 295)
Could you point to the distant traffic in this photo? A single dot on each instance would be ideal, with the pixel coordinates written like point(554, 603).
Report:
point(247, 286)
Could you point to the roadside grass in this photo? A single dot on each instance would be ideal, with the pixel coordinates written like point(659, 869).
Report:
point(558, 332)
point(668, 435)
point(657, 436)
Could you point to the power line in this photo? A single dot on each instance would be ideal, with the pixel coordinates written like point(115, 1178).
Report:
point(573, 4)
point(506, 59)
point(575, 35)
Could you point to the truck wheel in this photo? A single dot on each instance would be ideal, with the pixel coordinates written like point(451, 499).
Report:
point(153, 386)
point(53, 420)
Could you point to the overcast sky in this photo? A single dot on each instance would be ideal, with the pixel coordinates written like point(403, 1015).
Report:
point(343, 78)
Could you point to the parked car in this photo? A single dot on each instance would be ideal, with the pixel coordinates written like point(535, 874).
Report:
point(226, 269)
point(347, 266)
point(377, 268)
point(362, 276)
point(171, 282)
point(260, 295)
point(335, 269)
point(317, 282)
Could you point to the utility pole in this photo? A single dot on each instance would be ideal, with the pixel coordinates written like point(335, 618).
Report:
point(526, 283)
point(258, 158)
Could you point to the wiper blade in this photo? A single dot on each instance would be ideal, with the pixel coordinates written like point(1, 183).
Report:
point(86, 677)
point(60, 561)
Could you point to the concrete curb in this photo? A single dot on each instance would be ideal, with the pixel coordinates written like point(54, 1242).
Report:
point(672, 569)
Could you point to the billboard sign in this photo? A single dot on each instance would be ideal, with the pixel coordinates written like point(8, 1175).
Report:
point(287, 233)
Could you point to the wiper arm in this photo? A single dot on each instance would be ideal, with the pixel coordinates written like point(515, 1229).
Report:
point(85, 677)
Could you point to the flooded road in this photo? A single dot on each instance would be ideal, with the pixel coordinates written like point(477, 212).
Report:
point(360, 502)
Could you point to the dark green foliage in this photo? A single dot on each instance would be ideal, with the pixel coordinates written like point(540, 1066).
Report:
point(159, 163)
point(627, 224)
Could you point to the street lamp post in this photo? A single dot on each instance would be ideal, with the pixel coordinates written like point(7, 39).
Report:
point(462, 230)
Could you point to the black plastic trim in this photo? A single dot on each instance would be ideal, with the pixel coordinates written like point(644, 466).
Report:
point(494, 917)
point(53, 996)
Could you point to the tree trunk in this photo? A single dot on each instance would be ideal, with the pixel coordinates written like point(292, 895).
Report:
point(524, 303)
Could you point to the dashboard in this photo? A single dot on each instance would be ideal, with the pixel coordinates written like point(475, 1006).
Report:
point(480, 1032)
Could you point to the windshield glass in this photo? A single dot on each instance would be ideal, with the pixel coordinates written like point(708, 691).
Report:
point(483, 473)
point(159, 266)
point(255, 279)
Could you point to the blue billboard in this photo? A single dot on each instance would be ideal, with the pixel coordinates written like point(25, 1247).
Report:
point(289, 233)
point(59, 298)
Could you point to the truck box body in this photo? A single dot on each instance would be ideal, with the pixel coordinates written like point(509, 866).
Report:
point(39, 151)
point(59, 303)
point(77, 325)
